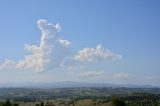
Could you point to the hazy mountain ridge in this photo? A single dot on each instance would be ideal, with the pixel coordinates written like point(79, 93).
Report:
point(69, 84)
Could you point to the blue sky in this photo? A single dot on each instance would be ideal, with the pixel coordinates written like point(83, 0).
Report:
point(126, 28)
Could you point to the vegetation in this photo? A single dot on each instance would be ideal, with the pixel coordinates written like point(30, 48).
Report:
point(80, 97)
point(118, 102)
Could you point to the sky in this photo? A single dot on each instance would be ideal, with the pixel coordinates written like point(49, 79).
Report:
point(102, 41)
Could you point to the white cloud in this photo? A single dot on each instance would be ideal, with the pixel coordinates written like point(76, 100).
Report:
point(49, 53)
point(53, 52)
point(7, 65)
point(91, 74)
point(65, 43)
point(95, 54)
point(152, 78)
point(121, 75)
point(89, 55)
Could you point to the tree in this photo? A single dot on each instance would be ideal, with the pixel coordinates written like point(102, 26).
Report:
point(37, 104)
point(15, 104)
point(7, 103)
point(47, 104)
point(118, 102)
point(42, 104)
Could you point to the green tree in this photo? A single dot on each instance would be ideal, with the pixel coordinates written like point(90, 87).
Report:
point(47, 104)
point(15, 104)
point(118, 102)
point(37, 104)
point(42, 104)
point(7, 103)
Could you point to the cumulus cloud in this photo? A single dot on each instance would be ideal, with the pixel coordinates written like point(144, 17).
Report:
point(49, 53)
point(53, 52)
point(91, 74)
point(89, 55)
point(95, 54)
point(121, 75)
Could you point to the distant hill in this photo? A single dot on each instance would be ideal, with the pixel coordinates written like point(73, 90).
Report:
point(69, 84)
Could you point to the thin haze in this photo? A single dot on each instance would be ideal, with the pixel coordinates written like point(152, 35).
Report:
point(103, 41)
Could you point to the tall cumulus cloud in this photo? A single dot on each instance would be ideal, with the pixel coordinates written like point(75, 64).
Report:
point(53, 51)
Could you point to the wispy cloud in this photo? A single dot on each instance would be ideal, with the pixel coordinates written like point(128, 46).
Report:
point(91, 74)
point(121, 75)
point(65, 43)
point(7, 64)
point(152, 78)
